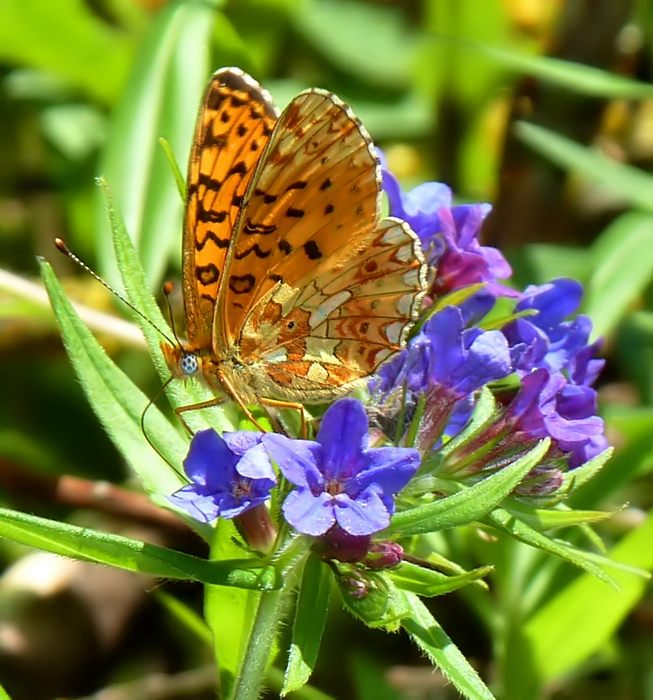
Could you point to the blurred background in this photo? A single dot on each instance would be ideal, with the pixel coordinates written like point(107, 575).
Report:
point(542, 107)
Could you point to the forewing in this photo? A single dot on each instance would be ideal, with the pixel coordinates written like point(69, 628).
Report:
point(313, 198)
point(234, 124)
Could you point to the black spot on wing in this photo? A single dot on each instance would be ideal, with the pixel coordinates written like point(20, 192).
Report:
point(326, 184)
point(299, 185)
point(294, 213)
point(312, 250)
point(239, 169)
point(209, 182)
point(329, 208)
point(284, 246)
point(212, 236)
point(259, 252)
point(210, 215)
point(251, 228)
point(241, 284)
point(215, 99)
point(207, 274)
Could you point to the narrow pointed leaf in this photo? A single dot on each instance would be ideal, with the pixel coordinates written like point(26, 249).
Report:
point(181, 392)
point(524, 533)
point(117, 402)
point(470, 504)
point(427, 634)
point(627, 182)
point(308, 627)
point(427, 582)
point(161, 99)
point(126, 553)
point(591, 612)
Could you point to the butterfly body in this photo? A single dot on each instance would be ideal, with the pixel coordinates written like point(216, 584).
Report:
point(295, 289)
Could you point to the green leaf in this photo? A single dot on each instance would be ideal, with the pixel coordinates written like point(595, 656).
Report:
point(132, 555)
point(229, 612)
point(631, 184)
point(481, 415)
point(386, 61)
point(581, 475)
point(180, 181)
point(161, 99)
point(471, 503)
point(621, 271)
point(581, 618)
point(67, 39)
point(427, 582)
point(524, 533)
point(308, 627)
point(119, 404)
point(4, 695)
point(427, 634)
point(577, 77)
point(549, 518)
point(180, 392)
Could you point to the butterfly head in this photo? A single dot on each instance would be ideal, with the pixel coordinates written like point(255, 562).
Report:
point(188, 363)
point(182, 363)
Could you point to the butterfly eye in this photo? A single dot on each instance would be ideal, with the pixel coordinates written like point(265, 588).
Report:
point(188, 363)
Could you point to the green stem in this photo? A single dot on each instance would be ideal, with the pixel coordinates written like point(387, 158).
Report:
point(249, 683)
point(272, 609)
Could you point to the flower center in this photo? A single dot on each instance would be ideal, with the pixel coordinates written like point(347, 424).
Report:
point(333, 487)
point(241, 489)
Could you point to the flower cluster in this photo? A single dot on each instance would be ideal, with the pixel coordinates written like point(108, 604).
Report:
point(548, 361)
point(537, 361)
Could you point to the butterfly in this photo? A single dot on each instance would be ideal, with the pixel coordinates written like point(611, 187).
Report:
point(295, 289)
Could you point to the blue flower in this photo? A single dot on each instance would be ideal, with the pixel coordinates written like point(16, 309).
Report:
point(447, 356)
point(546, 340)
point(449, 236)
point(339, 480)
point(547, 405)
point(229, 475)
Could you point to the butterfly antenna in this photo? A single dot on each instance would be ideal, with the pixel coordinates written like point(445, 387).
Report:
point(150, 403)
point(167, 291)
point(65, 250)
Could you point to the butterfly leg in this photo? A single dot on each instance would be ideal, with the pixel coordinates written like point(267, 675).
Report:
point(196, 407)
point(275, 403)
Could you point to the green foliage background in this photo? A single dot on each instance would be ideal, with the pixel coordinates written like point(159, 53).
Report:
point(544, 109)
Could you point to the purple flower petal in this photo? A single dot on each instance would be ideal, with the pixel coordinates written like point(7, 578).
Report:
point(362, 516)
point(312, 515)
point(218, 488)
point(343, 436)
point(298, 460)
point(241, 441)
point(390, 468)
point(255, 463)
point(209, 461)
point(554, 301)
point(201, 508)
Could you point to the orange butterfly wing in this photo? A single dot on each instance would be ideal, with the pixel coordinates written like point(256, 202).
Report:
point(317, 291)
point(234, 124)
